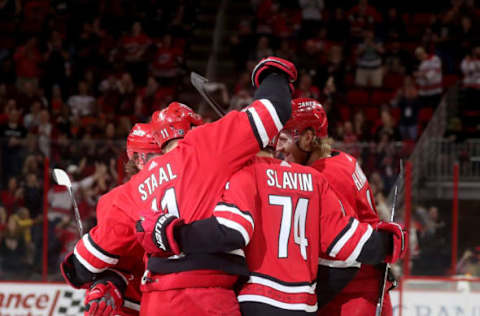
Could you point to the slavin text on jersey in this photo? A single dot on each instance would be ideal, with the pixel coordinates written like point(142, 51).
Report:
point(154, 180)
point(290, 180)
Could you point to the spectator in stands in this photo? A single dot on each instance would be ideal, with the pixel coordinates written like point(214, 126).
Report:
point(83, 103)
point(469, 264)
point(406, 100)
point(393, 27)
point(434, 258)
point(12, 135)
point(306, 88)
point(311, 15)
point(12, 197)
point(471, 77)
point(335, 67)
point(56, 58)
point(387, 128)
point(397, 60)
point(33, 195)
point(285, 50)
point(369, 71)
point(134, 46)
point(360, 126)
point(263, 49)
point(58, 197)
point(428, 78)
point(309, 58)
point(167, 60)
point(31, 120)
point(28, 61)
point(362, 17)
point(126, 90)
point(22, 223)
point(28, 95)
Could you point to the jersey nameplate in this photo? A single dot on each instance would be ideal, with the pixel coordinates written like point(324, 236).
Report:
point(154, 180)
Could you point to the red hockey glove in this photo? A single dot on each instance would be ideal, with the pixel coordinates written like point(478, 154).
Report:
point(155, 233)
point(400, 239)
point(271, 63)
point(103, 299)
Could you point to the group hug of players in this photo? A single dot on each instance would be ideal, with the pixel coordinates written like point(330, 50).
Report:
point(213, 224)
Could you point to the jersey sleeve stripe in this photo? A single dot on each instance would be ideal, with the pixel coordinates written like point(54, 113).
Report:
point(95, 251)
point(344, 230)
point(283, 288)
point(338, 263)
point(86, 264)
point(235, 226)
point(100, 249)
point(255, 132)
point(358, 248)
point(273, 113)
point(282, 305)
point(235, 210)
point(344, 237)
point(258, 126)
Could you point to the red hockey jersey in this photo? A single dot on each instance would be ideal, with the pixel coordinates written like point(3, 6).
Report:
point(187, 182)
point(111, 244)
point(345, 175)
point(287, 215)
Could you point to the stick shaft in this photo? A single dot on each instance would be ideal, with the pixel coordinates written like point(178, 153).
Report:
point(76, 212)
point(378, 311)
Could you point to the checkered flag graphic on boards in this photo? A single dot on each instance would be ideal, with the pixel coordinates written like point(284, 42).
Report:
point(70, 303)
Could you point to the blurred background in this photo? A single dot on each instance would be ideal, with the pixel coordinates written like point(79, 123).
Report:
point(399, 80)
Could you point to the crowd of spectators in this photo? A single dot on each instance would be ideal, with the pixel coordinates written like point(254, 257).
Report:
point(75, 76)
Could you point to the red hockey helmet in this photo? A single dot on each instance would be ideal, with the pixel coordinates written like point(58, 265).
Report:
point(174, 122)
point(307, 113)
point(141, 140)
point(177, 111)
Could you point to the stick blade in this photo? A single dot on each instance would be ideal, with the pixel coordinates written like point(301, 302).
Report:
point(61, 177)
point(199, 82)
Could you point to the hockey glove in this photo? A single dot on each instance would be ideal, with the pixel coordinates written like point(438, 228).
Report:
point(155, 233)
point(274, 64)
point(103, 299)
point(400, 239)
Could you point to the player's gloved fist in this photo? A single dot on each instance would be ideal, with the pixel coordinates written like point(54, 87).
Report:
point(103, 299)
point(274, 64)
point(400, 239)
point(155, 233)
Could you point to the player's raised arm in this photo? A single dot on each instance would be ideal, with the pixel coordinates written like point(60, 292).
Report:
point(239, 135)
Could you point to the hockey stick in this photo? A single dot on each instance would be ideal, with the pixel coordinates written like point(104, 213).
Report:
point(62, 178)
point(199, 82)
point(378, 311)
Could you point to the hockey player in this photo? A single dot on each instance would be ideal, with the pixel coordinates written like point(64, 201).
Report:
point(304, 140)
point(187, 180)
point(109, 244)
point(285, 215)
